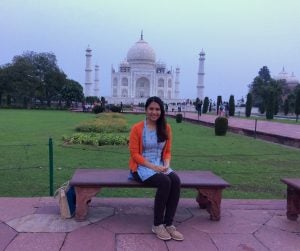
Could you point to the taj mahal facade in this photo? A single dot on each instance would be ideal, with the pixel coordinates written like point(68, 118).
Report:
point(140, 76)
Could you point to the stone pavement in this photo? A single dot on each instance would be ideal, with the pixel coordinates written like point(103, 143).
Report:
point(271, 127)
point(125, 224)
point(282, 133)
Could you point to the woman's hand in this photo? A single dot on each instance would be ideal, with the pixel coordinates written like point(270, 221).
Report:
point(160, 169)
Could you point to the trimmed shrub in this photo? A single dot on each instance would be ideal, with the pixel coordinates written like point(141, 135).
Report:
point(178, 117)
point(115, 108)
point(248, 105)
point(221, 126)
point(98, 109)
point(231, 106)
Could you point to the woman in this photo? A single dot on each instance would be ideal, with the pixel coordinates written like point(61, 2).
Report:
point(150, 155)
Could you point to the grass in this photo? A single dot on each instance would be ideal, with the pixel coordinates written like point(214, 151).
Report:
point(252, 167)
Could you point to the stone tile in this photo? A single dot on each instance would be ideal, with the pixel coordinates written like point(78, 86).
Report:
point(136, 210)
point(99, 213)
point(48, 222)
point(7, 234)
point(235, 221)
point(137, 242)
point(182, 214)
point(277, 240)
point(35, 223)
point(48, 210)
point(238, 242)
point(91, 237)
point(37, 242)
point(281, 222)
point(249, 204)
point(16, 207)
point(128, 224)
point(194, 240)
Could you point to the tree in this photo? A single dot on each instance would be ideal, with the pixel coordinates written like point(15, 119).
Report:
point(92, 99)
point(264, 74)
point(286, 107)
point(219, 101)
point(297, 105)
point(72, 91)
point(270, 105)
point(231, 106)
point(205, 104)
point(248, 105)
point(260, 88)
point(103, 101)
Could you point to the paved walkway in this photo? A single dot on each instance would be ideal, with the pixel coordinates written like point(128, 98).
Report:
point(125, 224)
point(270, 127)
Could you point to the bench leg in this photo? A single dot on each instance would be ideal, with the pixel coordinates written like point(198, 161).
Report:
point(293, 203)
point(211, 200)
point(83, 196)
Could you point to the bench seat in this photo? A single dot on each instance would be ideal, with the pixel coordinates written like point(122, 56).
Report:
point(293, 197)
point(88, 182)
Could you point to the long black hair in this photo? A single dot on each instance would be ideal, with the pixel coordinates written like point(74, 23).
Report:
point(161, 124)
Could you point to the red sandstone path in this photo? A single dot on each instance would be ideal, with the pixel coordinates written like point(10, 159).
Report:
point(269, 127)
point(124, 224)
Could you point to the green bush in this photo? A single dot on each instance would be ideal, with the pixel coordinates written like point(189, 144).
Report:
point(221, 126)
point(104, 123)
point(96, 139)
point(115, 108)
point(178, 117)
point(98, 109)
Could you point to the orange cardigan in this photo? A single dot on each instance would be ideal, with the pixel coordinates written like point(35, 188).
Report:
point(136, 146)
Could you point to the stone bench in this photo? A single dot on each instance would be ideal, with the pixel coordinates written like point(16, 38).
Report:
point(293, 197)
point(88, 182)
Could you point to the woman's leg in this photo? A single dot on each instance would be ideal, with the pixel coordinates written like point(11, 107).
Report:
point(163, 184)
point(173, 199)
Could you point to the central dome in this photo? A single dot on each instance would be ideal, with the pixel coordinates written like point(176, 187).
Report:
point(141, 52)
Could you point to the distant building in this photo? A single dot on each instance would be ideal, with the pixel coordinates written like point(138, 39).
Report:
point(140, 76)
point(289, 81)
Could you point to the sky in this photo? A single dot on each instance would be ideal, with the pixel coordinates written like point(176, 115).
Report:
point(238, 36)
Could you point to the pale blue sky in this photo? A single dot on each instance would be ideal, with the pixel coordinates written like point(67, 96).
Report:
point(238, 36)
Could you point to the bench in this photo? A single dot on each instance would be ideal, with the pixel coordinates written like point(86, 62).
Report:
point(88, 182)
point(293, 197)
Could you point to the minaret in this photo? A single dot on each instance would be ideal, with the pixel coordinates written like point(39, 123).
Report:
point(200, 84)
point(177, 82)
point(88, 73)
point(96, 86)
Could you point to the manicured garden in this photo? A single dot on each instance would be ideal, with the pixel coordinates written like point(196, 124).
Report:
point(253, 167)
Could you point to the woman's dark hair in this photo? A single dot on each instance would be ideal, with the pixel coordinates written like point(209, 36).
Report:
point(161, 124)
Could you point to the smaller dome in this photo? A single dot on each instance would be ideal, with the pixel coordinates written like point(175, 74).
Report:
point(283, 75)
point(141, 52)
point(160, 64)
point(292, 79)
point(124, 63)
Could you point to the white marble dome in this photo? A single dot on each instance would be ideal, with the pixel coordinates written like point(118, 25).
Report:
point(141, 52)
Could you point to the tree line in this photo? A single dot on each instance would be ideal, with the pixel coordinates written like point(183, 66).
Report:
point(34, 79)
point(272, 96)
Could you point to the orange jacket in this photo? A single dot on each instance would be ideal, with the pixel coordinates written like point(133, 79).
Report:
point(136, 146)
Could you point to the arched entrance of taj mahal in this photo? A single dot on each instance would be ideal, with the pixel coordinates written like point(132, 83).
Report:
point(142, 88)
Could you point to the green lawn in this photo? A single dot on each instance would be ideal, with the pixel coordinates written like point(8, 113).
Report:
point(252, 167)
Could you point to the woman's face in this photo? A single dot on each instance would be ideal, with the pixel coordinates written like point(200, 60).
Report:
point(153, 111)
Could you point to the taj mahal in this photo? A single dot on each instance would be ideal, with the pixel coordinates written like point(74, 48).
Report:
point(140, 76)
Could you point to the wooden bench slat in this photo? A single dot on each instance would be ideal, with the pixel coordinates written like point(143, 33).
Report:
point(294, 182)
point(119, 178)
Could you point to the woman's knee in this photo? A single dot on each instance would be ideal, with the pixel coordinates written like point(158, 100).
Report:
point(165, 181)
point(175, 179)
